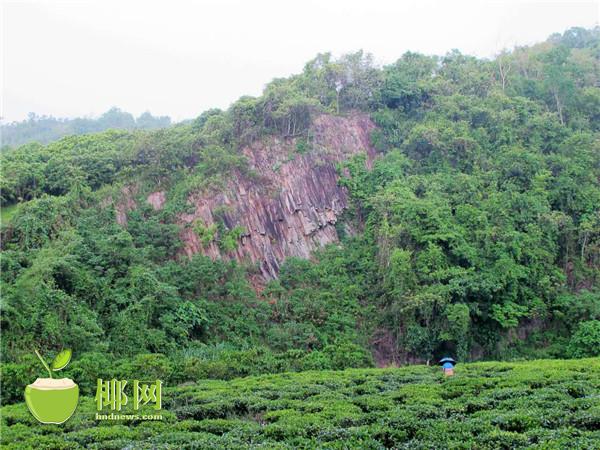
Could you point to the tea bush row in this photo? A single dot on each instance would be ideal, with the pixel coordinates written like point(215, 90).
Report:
point(545, 404)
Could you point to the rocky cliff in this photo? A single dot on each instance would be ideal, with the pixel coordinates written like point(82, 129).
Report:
point(292, 209)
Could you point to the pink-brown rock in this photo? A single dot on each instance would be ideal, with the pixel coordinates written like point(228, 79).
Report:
point(157, 200)
point(125, 203)
point(292, 208)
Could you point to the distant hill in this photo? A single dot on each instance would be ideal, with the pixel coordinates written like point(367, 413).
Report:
point(46, 129)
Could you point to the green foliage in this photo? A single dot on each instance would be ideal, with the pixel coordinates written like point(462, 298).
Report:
point(586, 340)
point(480, 202)
point(39, 221)
point(535, 404)
point(206, 234)
point(15, 376)
point(475, 232)
point(7, 213)
point(226, 239)
point(231, 238)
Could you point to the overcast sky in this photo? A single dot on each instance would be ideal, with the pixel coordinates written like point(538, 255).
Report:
point(179, 58)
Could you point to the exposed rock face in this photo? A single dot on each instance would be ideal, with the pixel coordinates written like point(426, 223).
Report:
point(157, 200)
point(292, 209)
point(125, 203)
point(294, 206)
point(289, 208)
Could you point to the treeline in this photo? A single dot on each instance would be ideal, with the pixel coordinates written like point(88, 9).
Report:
point(478, 225)
point(46, 129)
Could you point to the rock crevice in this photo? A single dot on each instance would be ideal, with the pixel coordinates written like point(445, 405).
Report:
point(294, 207)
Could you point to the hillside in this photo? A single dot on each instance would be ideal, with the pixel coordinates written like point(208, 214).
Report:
point(287, 207)
point(351, 216)
point(536, 404)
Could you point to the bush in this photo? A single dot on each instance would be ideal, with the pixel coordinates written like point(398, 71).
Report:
point(87, 368)
point(14, 377)
point(347, 354)
point(585, 341)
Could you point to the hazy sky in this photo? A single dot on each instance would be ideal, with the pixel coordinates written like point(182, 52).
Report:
point(179, 58)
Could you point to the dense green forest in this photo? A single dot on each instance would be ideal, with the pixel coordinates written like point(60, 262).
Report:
point(478, 227)
point(45, 129)
point(548, 404)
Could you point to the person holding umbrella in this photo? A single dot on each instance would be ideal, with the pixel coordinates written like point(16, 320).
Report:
point(448, 364)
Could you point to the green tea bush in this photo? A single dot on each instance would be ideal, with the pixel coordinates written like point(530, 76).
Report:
point(13, 379)
point(544, 404)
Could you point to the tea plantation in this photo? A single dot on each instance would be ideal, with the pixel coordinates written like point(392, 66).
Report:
point(545, 404)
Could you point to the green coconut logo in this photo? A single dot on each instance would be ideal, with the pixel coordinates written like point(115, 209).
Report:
point(52, 400)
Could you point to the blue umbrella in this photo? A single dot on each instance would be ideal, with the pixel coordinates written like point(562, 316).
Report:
point(447, 359)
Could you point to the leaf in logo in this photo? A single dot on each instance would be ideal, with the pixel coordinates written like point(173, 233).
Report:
point(61, 360)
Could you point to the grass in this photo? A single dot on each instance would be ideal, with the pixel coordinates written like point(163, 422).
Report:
point(546, 404)
point(7, 213)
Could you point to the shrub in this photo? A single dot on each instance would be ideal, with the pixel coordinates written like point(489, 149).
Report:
point(14, 377)
point(347, 354)
point(87, 368)
point(585, 341)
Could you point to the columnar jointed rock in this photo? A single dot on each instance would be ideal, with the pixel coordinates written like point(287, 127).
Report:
point(293, 207)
